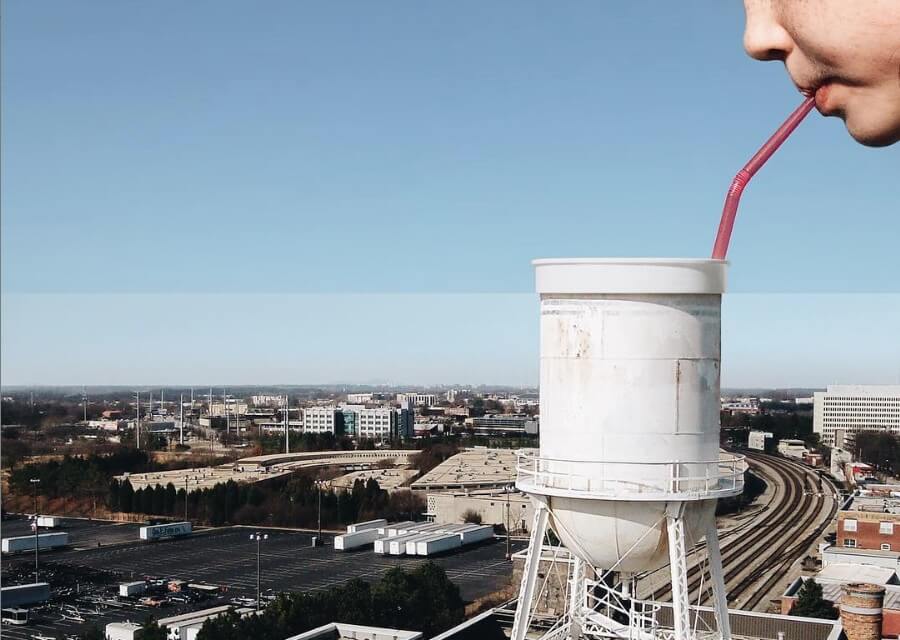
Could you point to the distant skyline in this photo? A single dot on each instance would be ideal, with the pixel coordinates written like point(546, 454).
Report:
point(314, 192)
point(769, 340)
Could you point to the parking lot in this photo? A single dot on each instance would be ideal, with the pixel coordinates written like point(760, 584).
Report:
point(82, 533)
point(226, 557)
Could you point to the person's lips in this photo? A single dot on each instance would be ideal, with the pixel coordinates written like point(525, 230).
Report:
point(821, 90)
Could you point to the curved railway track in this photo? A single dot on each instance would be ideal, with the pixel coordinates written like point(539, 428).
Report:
point(758, 553)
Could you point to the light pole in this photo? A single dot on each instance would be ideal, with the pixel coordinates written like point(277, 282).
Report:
point(258, 537)
point(319, 487)
point(508, 487)
point(34, 483)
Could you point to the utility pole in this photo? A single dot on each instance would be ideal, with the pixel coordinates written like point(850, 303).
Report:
point(185, 498)
point(227, 421)
point(258, 537)
point(181, 419)
point(34, 483)
point(287, 440)
point(84, 401)
point(137, 422)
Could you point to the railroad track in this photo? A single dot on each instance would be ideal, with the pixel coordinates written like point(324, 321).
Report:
point(791, 549)
point(759, 552)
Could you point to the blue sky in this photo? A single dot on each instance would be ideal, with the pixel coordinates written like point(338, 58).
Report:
point(409, 159)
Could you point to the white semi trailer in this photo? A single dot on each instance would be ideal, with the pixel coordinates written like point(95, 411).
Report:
point(155, 532)
point(19, 544)
point(396, 546)
point(131, 589)
point(49, 522)
point(421, 527)
point(437, 543)
point(368, 524)
point(475, 533)
point(355, 540)
point(391, 530)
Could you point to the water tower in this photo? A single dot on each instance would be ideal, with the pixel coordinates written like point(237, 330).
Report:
point(629, 467)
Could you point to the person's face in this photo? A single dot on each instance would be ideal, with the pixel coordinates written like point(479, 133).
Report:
point(845, 52)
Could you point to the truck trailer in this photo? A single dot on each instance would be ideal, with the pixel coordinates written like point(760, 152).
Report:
point(391, 530)
point(382, 544)
point(368, 524)
point(355, 540)
point(155, 532)
point(24, 595)
point(132, 589)
point(49, 522)
point(397, 544)
point(475, 533)
point(421, 527)
point(438, 543)
point(19, 544)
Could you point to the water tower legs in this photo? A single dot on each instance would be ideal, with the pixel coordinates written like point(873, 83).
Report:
point(530, 571)
point(720, 598)
point(577, 597)
point(678, 566)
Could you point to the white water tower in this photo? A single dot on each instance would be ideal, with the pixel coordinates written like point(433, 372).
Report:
point(629, 468)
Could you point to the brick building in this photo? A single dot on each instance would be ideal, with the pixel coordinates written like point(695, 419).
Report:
point(868, 530)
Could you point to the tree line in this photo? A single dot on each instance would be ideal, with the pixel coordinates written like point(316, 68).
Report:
point(76, 475)
point(423, 599)
point(293, 504)
point(881, 449)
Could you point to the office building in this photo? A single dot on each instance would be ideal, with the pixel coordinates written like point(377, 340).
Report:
point(418, 399)
point(323, 420)
point(505, 424)
point(844, 410)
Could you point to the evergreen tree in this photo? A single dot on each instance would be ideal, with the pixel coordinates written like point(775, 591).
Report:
point(811, 604)
point(126, 497)
point(152, 630)
point(169, 505)
point(112, 498)
point(158, 503)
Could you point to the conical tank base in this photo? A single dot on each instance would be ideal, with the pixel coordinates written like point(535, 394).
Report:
point(621, 535)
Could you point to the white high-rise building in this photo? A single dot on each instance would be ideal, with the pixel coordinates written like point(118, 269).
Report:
point(322, 420)
point(844, 410)
point(418, 399)
point(375, 424)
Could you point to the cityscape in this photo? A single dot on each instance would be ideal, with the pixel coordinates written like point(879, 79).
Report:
point(449, 321)
point(121, 506)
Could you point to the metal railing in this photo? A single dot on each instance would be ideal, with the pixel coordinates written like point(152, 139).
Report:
point(610, 480)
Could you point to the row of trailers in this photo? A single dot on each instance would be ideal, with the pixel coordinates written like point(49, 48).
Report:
point(60, 539)
point(411, 538)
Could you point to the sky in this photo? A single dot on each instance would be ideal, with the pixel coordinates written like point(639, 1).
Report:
point(234, 193)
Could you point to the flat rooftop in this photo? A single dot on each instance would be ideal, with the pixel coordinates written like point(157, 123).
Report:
point(472, 469)
point(259, 468)
point(388, 479)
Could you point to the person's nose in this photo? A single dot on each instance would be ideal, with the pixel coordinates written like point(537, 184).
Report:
point(764, 36)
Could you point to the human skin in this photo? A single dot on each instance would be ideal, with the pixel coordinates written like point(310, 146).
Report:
point(844, 52)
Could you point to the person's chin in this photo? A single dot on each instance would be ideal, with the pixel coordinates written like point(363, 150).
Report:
point(874, 125)
point(872, 133)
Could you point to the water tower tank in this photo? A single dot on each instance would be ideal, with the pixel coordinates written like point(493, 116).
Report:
point(629, 384)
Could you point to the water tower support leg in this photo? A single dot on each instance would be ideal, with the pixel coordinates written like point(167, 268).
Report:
point(530, 571)
point(577, 597)
point(718, 579)
point(678, 566)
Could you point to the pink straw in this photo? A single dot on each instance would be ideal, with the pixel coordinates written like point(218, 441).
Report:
point(729, 211)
